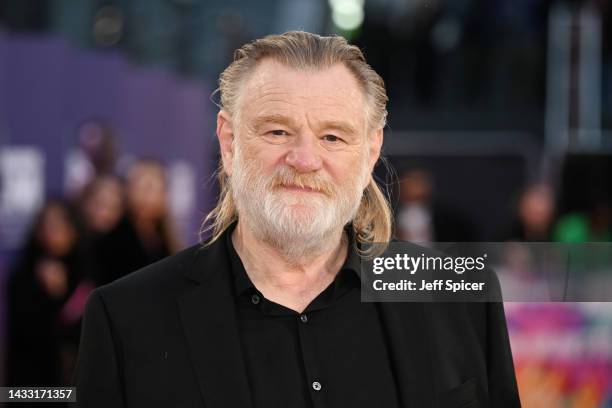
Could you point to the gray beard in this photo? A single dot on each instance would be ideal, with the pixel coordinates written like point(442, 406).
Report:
point(295, 237)
point(294, 248)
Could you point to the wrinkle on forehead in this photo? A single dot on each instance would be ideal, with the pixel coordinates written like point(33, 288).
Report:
point(332, 91)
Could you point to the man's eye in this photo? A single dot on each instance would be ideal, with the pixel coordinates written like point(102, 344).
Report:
point(278, 132)
point(332, 138)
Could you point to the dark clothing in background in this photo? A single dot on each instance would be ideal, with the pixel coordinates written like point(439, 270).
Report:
point(333, 354)
point(516, 231)
point(172, 335)
point(122, 251)
point(441, 224)
point(451, 225)
point(37, 337)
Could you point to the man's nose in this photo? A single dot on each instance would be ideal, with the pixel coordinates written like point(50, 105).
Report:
point(303, 156)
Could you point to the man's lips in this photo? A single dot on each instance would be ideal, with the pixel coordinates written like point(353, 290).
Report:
point(300, 189)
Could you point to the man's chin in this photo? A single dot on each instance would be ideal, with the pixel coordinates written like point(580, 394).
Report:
point(302, 221)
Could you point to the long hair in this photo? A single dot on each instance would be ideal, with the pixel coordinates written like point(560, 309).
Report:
point(301, 50)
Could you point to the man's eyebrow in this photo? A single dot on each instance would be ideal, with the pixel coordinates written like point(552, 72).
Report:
point(343, 127)
point(273, 118)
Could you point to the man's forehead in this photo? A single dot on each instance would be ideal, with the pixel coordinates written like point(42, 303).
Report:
point(274, 85)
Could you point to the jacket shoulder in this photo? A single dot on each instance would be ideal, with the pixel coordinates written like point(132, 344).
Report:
point(158, 279)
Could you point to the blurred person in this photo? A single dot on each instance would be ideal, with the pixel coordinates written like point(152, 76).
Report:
point(594, 225)
point(535, 214)
point(95, 155)
point(268, 311)
point(415, 221)
point(43, 331)
point(145, 233)
point(420, 219)
point(97, 139)
point(101, 206)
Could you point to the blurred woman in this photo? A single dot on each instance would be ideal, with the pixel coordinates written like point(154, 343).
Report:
point(43, 333)
point(101, 206)
point(534, 215)
point(145, 234)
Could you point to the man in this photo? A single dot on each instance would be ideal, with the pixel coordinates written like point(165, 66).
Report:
point(267, 313)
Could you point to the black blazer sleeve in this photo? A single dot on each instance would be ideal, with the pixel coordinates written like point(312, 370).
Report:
point(97, 373)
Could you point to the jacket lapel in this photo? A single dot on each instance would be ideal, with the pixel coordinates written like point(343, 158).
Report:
point(407, 336)
point(207, 313)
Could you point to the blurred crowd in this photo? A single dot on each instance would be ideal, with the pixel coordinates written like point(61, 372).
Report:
point(536, 216)
point(108, 224)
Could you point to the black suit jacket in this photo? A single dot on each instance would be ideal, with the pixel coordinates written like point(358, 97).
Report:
point(167, 336)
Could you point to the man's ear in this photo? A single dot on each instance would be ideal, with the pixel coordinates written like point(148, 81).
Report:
point(375, 145)
point(225, 134)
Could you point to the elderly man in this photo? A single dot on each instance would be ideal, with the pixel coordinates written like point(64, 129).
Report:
point(267, 312)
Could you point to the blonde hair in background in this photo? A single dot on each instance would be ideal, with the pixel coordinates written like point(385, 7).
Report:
point(301, 50)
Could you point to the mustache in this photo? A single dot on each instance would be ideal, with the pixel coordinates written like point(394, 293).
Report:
point(286, 176)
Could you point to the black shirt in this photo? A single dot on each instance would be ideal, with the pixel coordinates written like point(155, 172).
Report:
point(334, 354)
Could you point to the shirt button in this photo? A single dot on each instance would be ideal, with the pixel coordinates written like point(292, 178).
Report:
point(316, 386)
point(304, 319)
point(255, 299)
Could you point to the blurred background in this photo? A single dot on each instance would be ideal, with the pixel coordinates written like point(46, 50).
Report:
point(500, 128)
